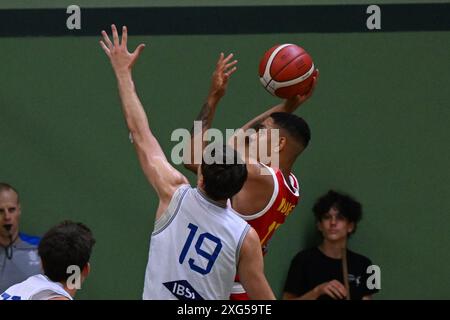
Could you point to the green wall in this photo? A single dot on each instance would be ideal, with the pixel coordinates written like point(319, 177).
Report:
point(379, 121)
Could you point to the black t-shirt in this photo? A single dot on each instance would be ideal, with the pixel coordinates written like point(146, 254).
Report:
point(312, 267)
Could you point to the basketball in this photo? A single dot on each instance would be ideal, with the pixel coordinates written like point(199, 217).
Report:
point(286, 70)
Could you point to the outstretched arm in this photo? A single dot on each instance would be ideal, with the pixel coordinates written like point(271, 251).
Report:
point(161, 175)
point(289, 105)
point(219, 82)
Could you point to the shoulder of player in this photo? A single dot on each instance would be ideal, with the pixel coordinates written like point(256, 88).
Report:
point(171, 199)
point(251, 238)
point(257, 171)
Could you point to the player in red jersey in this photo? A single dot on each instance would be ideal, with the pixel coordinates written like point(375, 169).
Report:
point(271, 190)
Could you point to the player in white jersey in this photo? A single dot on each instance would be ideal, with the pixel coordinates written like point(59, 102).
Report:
point(37, 287)
point(197, 245)
point(64, 250)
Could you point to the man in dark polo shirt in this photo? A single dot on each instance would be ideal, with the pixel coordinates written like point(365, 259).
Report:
point(19, 257)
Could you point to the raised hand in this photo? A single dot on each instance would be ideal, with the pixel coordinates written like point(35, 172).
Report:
point(219, 81)
point(121, 59)
point(294, 102)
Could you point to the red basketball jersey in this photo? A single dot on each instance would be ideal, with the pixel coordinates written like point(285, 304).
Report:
point(284, 199)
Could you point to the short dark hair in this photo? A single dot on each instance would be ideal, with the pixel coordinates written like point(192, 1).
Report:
point(296, 126)
point(223, 179)
point(7, 187)
point(68, 243)
point(347, 206)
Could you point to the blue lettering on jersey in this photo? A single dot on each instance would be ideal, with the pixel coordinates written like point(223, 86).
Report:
point(210, 257)
point(182, 290)
point(6, 296)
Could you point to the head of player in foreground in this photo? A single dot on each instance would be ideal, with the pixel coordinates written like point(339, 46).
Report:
point(64, 250)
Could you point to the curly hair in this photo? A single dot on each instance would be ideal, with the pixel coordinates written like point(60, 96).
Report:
point(345, 204)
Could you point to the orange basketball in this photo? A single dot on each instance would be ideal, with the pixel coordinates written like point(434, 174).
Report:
point(286, 70)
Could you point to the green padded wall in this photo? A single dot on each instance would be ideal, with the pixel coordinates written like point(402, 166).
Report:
point(379, 122)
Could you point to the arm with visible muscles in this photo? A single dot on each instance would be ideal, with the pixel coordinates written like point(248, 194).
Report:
point(251, 269)
point(288, 105)
point(160, 174)
point(219, 82)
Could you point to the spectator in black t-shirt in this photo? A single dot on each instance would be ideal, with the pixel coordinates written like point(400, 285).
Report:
point(317, 273)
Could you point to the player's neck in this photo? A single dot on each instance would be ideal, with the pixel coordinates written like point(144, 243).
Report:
point(285, 166)
point(286, 171)
point(333, 249)
point(220, 203)
point(72, 292)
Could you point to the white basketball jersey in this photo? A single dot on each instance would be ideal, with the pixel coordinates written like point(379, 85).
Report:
point(37, 287)
point(194, 249)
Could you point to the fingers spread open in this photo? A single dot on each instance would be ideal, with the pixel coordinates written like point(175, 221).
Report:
point(228, 58)
point(106, 39)
point(139, 49)
point(124, 36)
point(115, 35)
point(229, 65)
point(219, 62)
point(230, 72)
point(105, 48)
